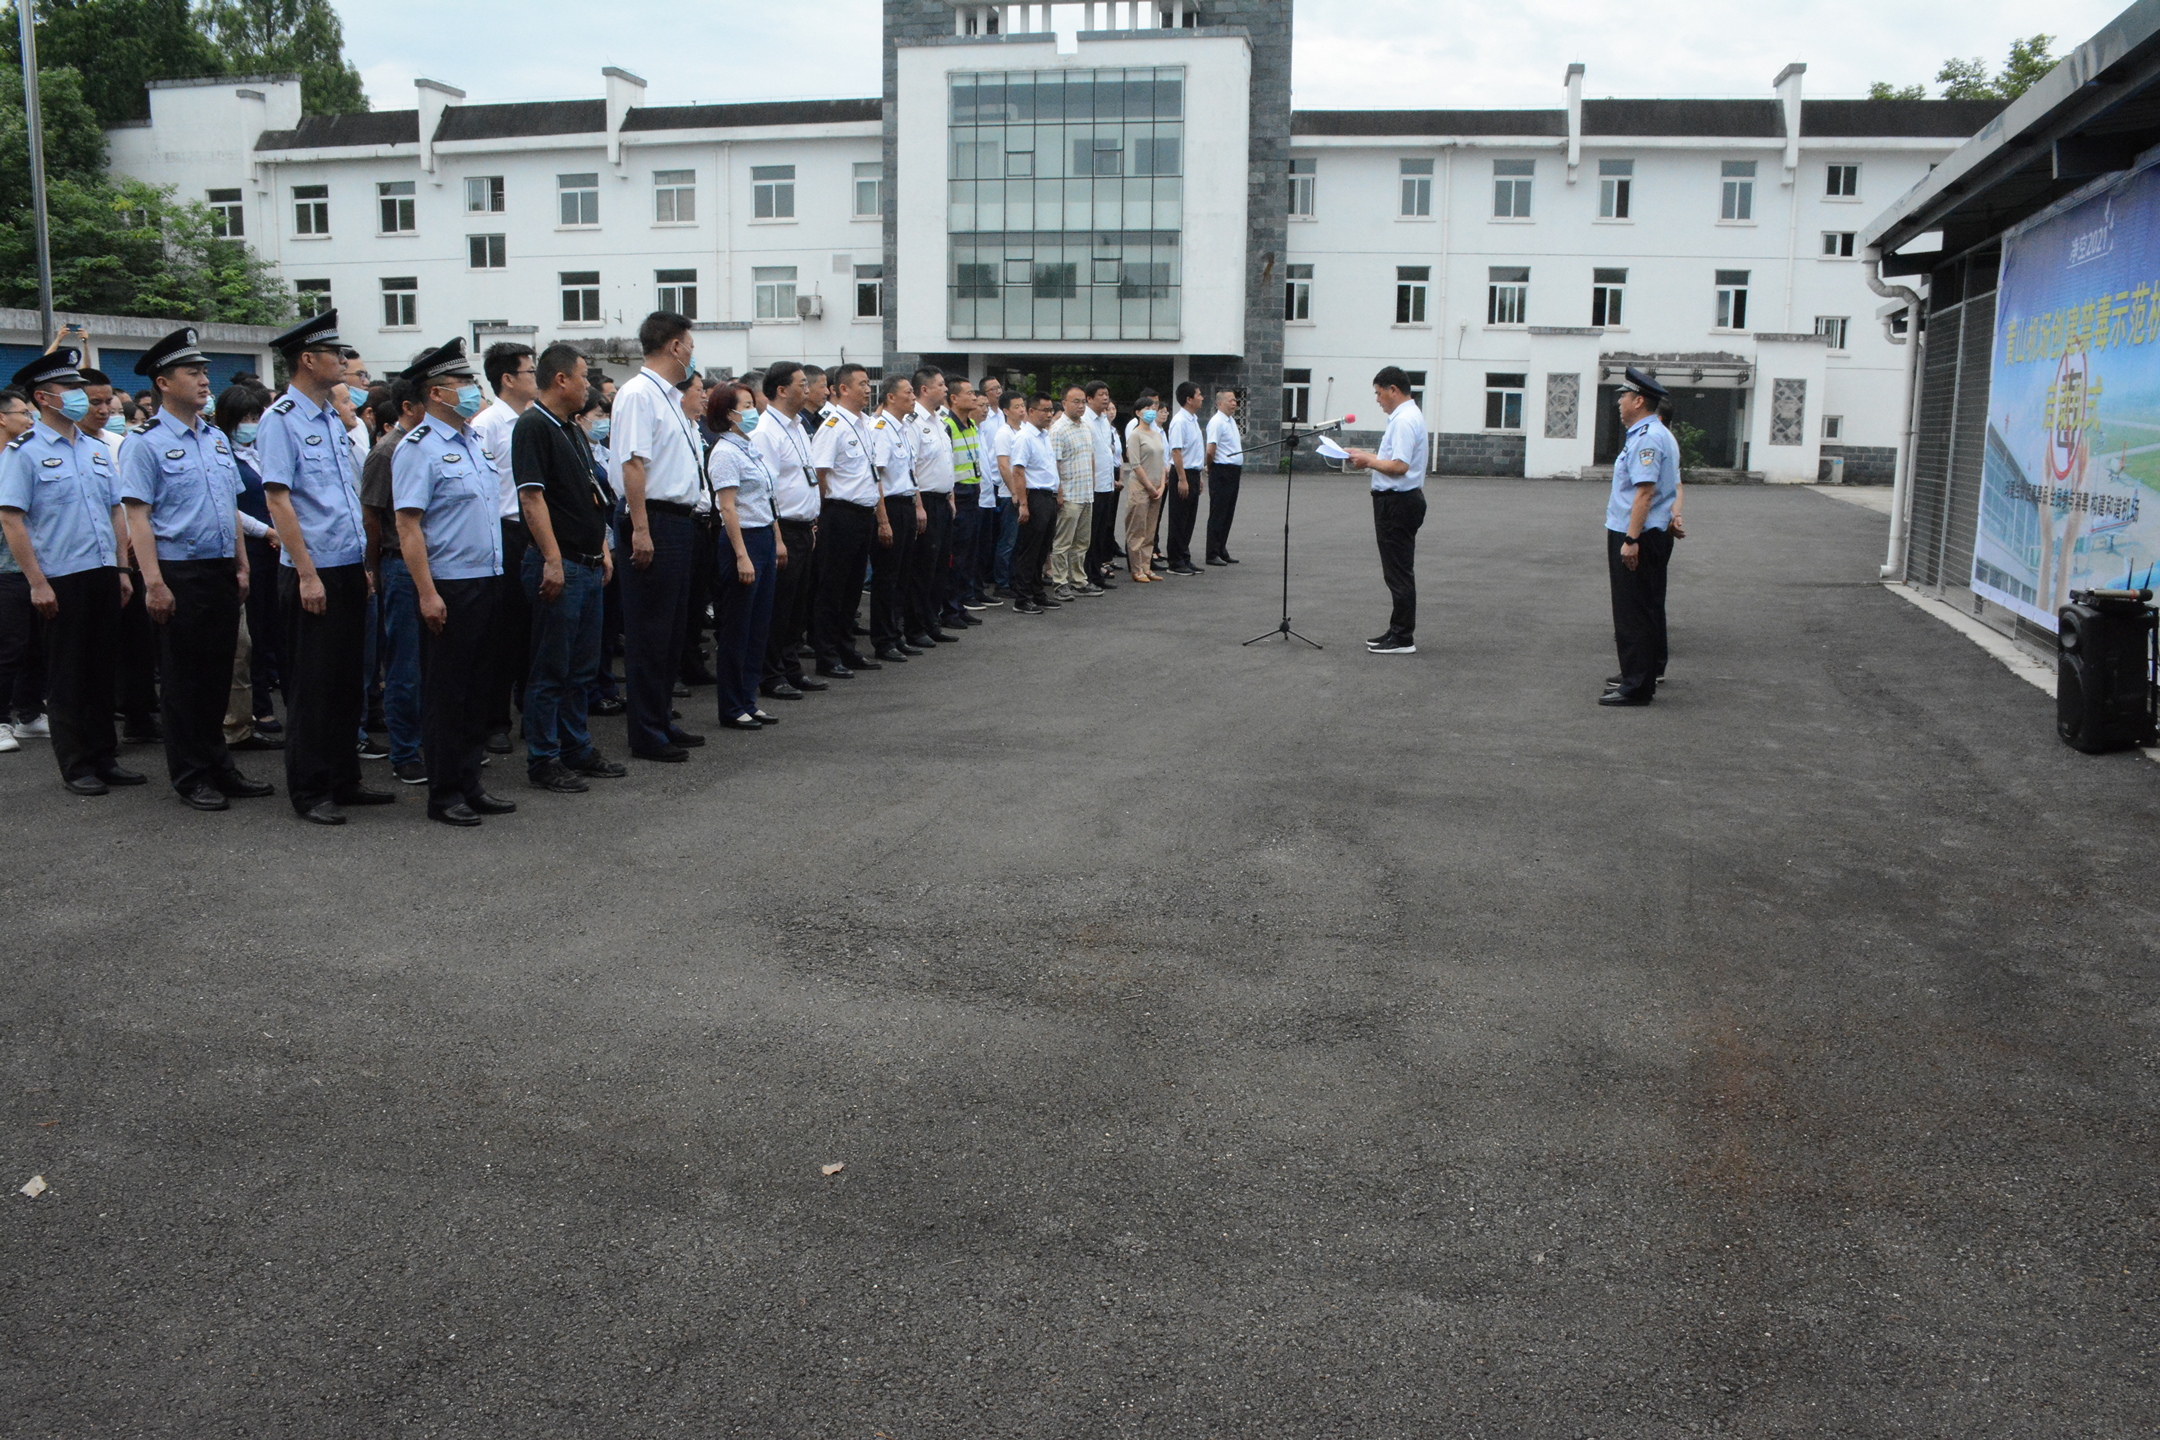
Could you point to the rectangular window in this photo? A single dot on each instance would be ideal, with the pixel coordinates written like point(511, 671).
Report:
point(1503, 402)
point(483, 194)
point(1833, 427)
point(1098, 155)
point(1507, 295)
point(1417, 387)
point(676, 290)
point(401, 303)
point(1608, 288)
point(311, 209)
point(774, 286)
point(579, 198)
point(869, 291)
point(485, 252)
point(1302, 178)
point(1056, 282)
point(226, 220)
point(772, 194)
point(1157, 156)
point(394, 198)
point(1837, 327)
point(674, 197)
point(1511, 188)
point(1737, 202)
point(1297, 292)
point(580, 297)
point(1616, 184)
point(1410, 282)
point(1417, 188)
point(1732, 288)
point(1297, 396)
point(975, 281)
point(1838, 243)
point(1144, 281)
point(1842, 182)
point(869, 188)
point(314, 296)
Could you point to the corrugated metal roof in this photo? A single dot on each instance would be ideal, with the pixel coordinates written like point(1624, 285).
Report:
point(1747, 118)
point(1950, 119)
point(510, 122)
point(323, 132)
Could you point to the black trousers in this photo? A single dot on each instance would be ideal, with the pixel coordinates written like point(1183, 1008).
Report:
point(1032, 546)
point(1638, 609)
point(266, 626)
point(655, 611)
point(891, 567)
point(509, 638)
point(1184, 513)
point(794, 587)
point(80, 641)
point(1102, 535)
point(1396, 515)
point(324, 697)
point(457, 689)
point(22, 652)
point(1221, 506)
point(847, 532)
point(704, 591)
point(195, 656)
point(968, 530)
point(135, 681)
point(930, 565)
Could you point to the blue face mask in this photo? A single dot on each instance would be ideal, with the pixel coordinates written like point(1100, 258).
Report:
point(245, 433)
point(114, 425)
point(468, 401)
point(1148, 415)
point(74, 404)
point(747, 423)
point(599, 430)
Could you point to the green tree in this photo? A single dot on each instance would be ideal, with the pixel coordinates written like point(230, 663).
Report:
point(1884, 90)
point(117, 46)
point(303, 36)
point(2029, 59)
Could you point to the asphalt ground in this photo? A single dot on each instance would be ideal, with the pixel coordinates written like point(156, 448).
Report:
point(1218, 1040)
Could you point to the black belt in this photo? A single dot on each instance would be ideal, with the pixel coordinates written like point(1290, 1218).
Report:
point(593, 562)
point(851, 504)
point(671, 507)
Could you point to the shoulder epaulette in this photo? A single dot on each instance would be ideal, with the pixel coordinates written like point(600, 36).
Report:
point(879, 424)
point(284, 406)
point(21, 440)
point(832, 421)
point(415, 433)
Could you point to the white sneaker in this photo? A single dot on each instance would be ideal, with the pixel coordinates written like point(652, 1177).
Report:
point(38, 729)
point(7, 740)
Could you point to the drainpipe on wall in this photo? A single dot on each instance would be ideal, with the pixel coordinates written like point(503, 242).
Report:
point(1893, 566)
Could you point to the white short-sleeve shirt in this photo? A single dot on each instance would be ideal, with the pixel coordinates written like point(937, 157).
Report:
point(649, 425)
point(1222, 433)
point(842, 449)
point(787, 456)
point(1186, 440)
point(493, 425)
point(1405, 440)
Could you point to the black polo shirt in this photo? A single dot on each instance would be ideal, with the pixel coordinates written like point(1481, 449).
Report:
point(552, 457)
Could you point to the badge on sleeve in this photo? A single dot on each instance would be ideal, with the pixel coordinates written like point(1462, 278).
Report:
point(1647, 456)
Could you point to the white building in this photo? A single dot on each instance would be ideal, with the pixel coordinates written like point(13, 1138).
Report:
point(1058, 209)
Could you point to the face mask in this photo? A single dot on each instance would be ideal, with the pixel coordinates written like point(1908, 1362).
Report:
point(468, 401)
point(245, 434)
point(1148, 415)
point(747, 423)
point(114, 425)
point(599, 429)
point(74, 404)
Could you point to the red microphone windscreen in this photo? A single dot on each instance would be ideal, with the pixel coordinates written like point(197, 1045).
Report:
point(1347, 419)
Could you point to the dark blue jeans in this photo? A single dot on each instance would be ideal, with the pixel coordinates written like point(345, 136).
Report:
point(565, 658)
point(957, 585)
point(1008, 535)
point(744, 619)
point(400, 605)
point(656, 620)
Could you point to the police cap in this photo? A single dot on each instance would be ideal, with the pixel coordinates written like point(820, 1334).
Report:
point(317, 332)
point(177, 348)
point(443, 362)
point(56, 367)
point(1643, 383)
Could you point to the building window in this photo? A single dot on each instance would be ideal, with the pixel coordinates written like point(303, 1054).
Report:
point(580, 297)
point(1738, 199)
point(314, 296)
point(1098, 155)
point(677, 291)
point(1843, 182)
point(674, 197)
point(1417, 387)
point(226, 220)
point(1417, 188)
point(1059, 281)
point(869, 188)
point(483, 194)
point(1302, 179)
point(394, 199)
point(401, 303)
point(1503, 402)
point(1732, 288)
point(869, 291)
point(1507, 295)
point(1837, 327)
point(1297, 292)
point(485, 252)
point(1833, 427)
point(1157, 155)
point(1297, 396)
point(1837, 243)
point(1410, 282)
point(975, 282)
point(311, 209)
point(1616, 185)
point(774, 289)
point(772, 192)
point(579, 197)
point(1608, 288)
point(1147, 280)
point(1511, 188)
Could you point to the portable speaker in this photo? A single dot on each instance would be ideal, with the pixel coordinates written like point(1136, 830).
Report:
point(2104, 670)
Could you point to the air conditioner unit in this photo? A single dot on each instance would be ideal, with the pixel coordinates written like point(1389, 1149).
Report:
point(810, 307)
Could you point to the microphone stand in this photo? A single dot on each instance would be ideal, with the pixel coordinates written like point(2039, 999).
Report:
point(1288, 445)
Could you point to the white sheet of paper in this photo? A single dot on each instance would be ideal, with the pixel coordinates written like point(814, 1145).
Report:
point(1329, 450)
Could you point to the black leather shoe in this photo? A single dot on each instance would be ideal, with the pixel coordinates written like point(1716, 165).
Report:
point(940, 637)
point(116, 775)
point(497, 743)
point(557, 777)
point(892, 655)
point(861, 664)
point(239, 787)
point(781, 691)
point(458, 814)
point(1216, 560)
point(806, 684)
point(595, 765)
point(1228, 558)
point(666, 754)
point(607, 705)
point(323, 812)
point(740, 722)
point(260, 741)
point(834, 670)
point(488, 804)
point(204, 797)
point(923, 640)
point(765, 719)
point(1621, 697)
point(1026, 607)
point(1046, 603)
point(685, 739)
point(367, 795)
point(85, 785)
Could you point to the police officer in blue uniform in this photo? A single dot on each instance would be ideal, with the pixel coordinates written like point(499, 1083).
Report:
point(60, 511)
point(180, 484)
point(1639, 539)
point(311, 483)
point(448, 498)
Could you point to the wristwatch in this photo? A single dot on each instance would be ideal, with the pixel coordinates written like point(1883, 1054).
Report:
point(1631, 539)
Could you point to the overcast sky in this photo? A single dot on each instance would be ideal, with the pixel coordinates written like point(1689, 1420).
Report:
point(1408, 54)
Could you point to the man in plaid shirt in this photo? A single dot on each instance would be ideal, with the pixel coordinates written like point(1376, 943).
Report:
point(1073, 445)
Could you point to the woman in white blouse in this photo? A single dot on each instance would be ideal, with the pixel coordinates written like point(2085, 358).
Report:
point(750, 556)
